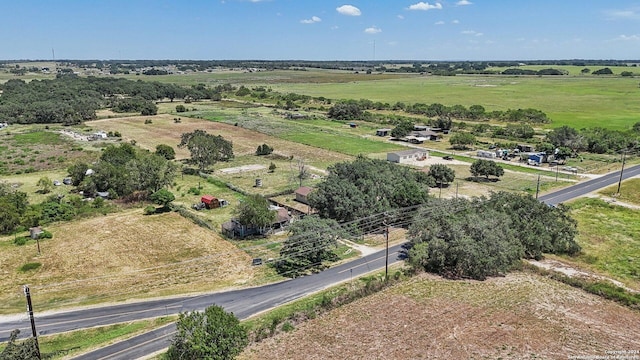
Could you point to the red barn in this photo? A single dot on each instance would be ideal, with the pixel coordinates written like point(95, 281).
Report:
point(210, 201)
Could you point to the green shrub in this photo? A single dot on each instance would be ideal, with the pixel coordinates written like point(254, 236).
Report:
point(194, 191)
point(149, 210)
point(20, 241)
point(45, 235)
point(287, 326)
point(30, 266)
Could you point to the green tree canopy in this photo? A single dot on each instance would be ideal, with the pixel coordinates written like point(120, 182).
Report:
point(206, 149)
point(403, 129)
point(365, 186)
point(45, 184)
point(454, 239)
point(162, 197)
point(254, 211)
point(442, 174)
point(462, 140)
point(13, 205)
point(166, 151)
point(309, 245)
point(484, 237)
point(486, 168)
point(566, 136)
point(213, 334)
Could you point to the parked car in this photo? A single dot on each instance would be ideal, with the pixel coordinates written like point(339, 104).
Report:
point(67, 181)
point(56, 183)
point(448, 157)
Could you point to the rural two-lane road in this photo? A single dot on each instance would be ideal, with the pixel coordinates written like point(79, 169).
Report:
point(586, 187)
point(245, 302)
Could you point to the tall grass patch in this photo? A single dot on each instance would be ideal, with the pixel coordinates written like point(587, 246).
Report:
point(610, 238)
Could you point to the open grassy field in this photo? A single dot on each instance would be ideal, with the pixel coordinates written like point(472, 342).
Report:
point(28, 149)
point(520, 316)
point(163, 130)
point(610, 239)
point(121, 257)
point(575, 101)
point(629, 191)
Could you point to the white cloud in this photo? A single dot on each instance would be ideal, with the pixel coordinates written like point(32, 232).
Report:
point(471, 32)
point(634, 37)
point(455, 22)
point(439, 23)
point(313, 20)
point(400, 17)
point(629, 14)
point(335, 27)
point(424, 6)
point(349, 10)
point(464, 2)
point(372, 30)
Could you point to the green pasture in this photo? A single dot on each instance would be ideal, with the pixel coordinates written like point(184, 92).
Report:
point(610, 238)
point(575, 101)
point(324, 134)
point(629, 191)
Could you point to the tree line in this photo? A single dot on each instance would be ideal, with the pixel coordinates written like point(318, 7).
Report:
point(356, 110)
point(69, 99)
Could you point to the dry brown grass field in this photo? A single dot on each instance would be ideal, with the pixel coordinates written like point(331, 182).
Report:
point(120, 257)
point(520, 316)
point(163, 130)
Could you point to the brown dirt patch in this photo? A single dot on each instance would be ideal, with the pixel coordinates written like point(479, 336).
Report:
point(521, 316)
point(163, 130)
point(119, 257)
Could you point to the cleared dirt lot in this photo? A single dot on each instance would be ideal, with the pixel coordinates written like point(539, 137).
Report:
point(520, 316)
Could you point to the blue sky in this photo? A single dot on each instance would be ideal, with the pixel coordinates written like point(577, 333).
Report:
point(320, 29)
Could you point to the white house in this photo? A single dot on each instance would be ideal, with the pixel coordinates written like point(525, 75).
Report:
point(407, 156)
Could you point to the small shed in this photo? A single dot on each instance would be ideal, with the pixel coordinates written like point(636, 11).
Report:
point(407, 156)
point(210, 201)
point(302, 193)
point(383, 132)
point(352, 125)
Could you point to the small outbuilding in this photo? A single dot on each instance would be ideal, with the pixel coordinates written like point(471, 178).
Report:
point(302, 193)
point(407, 156)
point(210, 201)
point(383, 132)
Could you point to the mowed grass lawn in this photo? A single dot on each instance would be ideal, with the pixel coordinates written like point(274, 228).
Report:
point(610, 239)
point(120, 257)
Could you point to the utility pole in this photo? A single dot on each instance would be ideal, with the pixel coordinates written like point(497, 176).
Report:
point(624, 157)
point(27, 293)
point(457, 189)
point(538, 187)
point(386, 256)
point(557, 171)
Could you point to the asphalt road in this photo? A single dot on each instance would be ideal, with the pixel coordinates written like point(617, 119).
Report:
point(586, 187)
point(243, 303)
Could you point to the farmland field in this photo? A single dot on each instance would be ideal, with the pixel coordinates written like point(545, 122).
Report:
point(520, 316)
point(574, 101)
point(163, 130)
point(121, 257)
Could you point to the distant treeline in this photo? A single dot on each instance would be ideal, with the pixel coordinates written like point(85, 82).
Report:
point(434, 67)
point(355, 110)
point(70, 99)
